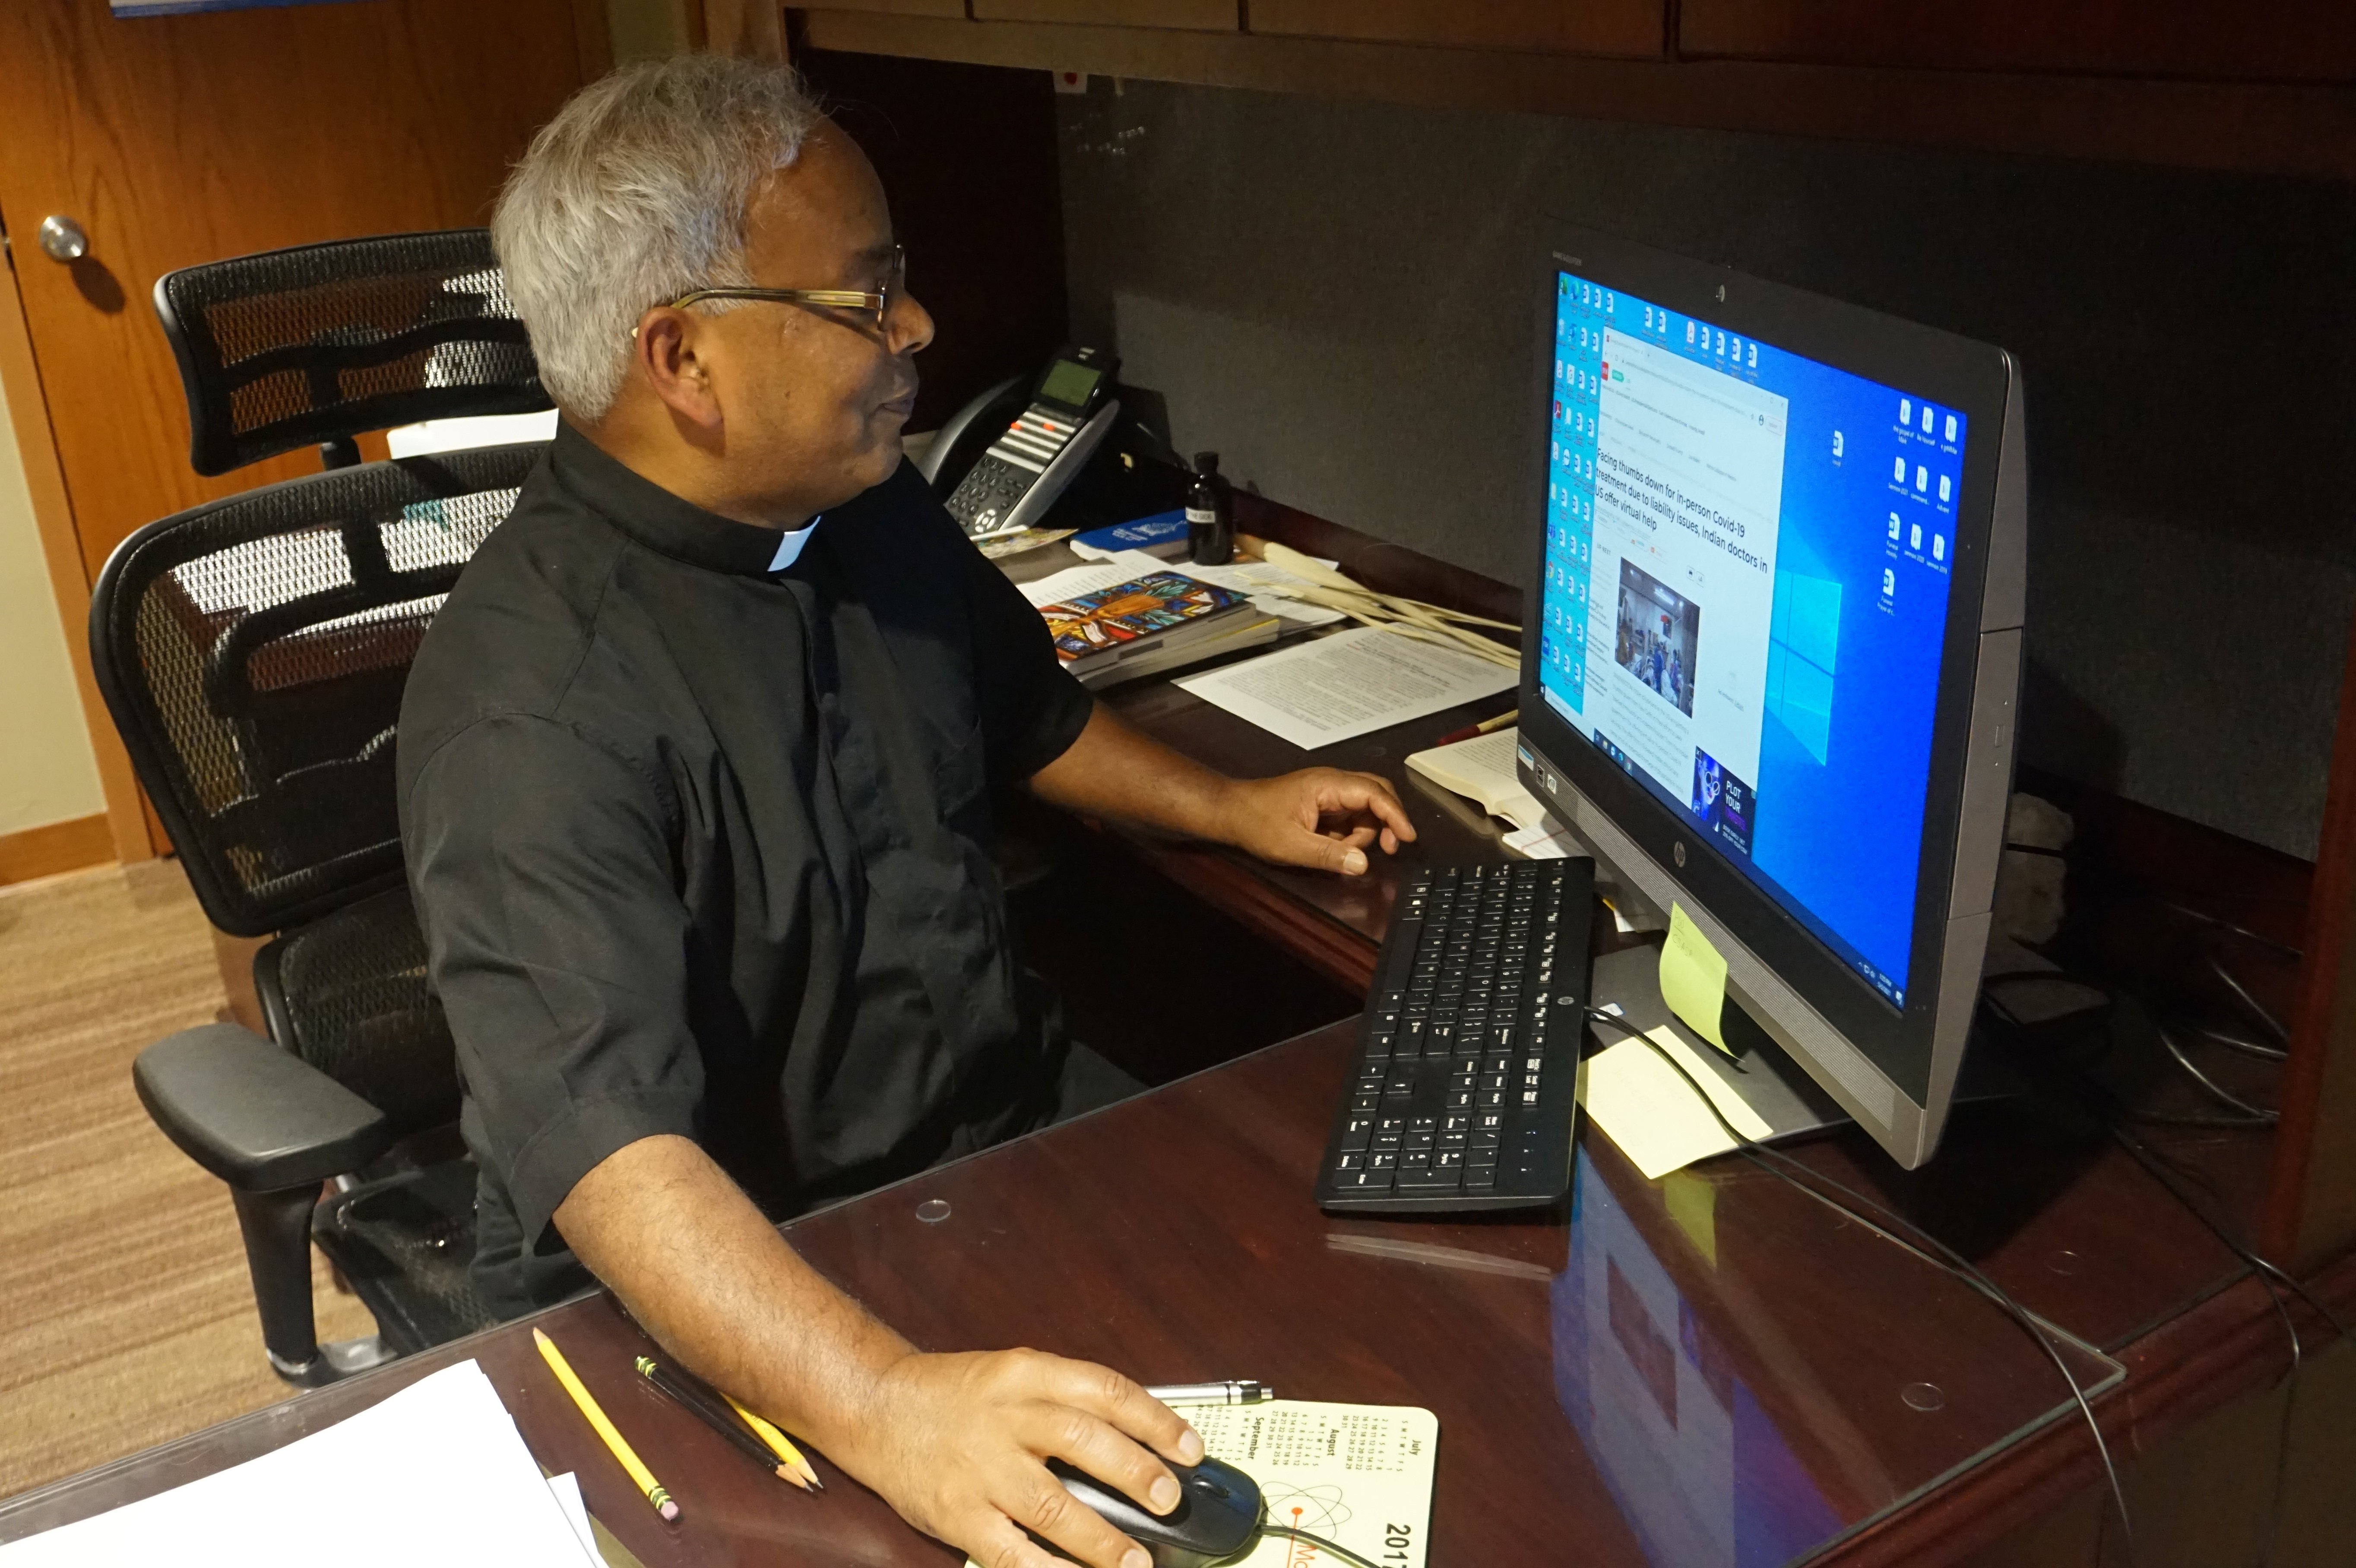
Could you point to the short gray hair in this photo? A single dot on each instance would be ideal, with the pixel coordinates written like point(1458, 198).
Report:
point(635, 194)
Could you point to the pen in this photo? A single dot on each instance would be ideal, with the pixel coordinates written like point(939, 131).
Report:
point(643, 1477)
point(1487, 727)
point(1234, 1391)
point(709, 1412)
point(779, 1443)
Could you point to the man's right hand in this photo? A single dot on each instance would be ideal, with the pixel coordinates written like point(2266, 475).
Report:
point(958, 1445)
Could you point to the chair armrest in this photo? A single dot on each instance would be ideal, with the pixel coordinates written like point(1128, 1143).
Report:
point(257, 1117)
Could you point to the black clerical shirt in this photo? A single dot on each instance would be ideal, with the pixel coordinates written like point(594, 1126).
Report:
point(701, 848)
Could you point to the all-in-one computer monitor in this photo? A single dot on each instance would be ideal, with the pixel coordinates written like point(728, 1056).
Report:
point(1776, 649)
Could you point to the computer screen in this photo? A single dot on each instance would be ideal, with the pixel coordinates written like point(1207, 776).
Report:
point(1776, 586)
point(1747, 563)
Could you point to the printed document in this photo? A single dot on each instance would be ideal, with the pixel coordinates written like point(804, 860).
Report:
point(1352, 683)
point(436, 1474)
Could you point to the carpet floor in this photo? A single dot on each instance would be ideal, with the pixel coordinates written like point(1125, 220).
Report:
point(126, 1318)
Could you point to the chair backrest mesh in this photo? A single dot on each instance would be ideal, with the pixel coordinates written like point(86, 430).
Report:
point(290, 348)
point(254, 651)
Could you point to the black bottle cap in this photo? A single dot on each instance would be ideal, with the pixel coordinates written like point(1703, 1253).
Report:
point(1206, 462)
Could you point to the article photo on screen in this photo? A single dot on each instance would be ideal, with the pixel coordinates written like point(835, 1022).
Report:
point(1761, 600)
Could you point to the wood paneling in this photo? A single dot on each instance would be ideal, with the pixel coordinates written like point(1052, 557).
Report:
point(45, 851)
point(909, 7)
point(2274, 40)
point(2308, 129)
point(1631, 27)
point(1202, 16)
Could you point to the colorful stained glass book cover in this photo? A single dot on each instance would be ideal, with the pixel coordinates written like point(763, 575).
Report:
point(1095, 622)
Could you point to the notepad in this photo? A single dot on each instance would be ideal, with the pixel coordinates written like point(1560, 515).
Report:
point(436, 1474)
point(1648, 1109)
point(1358, 1475)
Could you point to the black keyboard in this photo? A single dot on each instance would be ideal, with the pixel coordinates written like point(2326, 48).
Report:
point(1463, 1094)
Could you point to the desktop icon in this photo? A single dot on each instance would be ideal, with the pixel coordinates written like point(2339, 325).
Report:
point(1889, 584)
point(1921, 478)
point(1897, 472)
point(1915, 540)
point(1926, 419)
point(1906, 411)
point(1951, 427)
point(1946, 487)
point(1893, 525)
point(1938, 546)
point(1836, 444)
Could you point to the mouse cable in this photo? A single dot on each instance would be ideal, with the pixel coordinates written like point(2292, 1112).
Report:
point(1320, 1543)
point(1775, 1161)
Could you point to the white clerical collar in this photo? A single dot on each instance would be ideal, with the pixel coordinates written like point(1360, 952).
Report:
point(789, 546)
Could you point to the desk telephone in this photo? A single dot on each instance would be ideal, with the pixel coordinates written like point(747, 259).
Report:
point(1017, 471)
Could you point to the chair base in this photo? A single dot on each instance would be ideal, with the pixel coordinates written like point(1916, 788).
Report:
point(337, 1361)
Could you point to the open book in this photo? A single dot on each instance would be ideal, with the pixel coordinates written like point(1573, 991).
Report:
point(1482, 770)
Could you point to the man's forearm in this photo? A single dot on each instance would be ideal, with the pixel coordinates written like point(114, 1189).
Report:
point(706, 1273)
point(1115, 770)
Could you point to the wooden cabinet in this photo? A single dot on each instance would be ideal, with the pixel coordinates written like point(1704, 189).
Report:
point(2272, 40)
point(1637, 29)
point(1198, 16)
point(905, 8)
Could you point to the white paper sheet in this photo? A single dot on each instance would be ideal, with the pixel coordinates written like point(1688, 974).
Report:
point(567, 1487)
point(436, 1474)
point(1352, 683)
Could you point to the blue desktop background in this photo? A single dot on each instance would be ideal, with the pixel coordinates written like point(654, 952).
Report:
point(1852, 670)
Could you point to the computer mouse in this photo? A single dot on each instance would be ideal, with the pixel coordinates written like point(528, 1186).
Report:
point(1217, 1518)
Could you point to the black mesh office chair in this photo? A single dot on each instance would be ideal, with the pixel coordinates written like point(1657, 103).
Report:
point(253, 653)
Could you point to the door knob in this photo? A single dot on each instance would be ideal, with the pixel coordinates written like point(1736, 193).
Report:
point(62, 238)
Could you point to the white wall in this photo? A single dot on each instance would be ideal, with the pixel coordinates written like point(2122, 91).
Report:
point(47, 771)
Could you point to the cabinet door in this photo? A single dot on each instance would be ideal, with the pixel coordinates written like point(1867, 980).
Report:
point(902, 7)
point(2282, 40)
point(1626, 27)
point(1202, 16)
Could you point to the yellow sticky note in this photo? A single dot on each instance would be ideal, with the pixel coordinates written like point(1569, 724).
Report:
point(1693, 977)
point(1649, 1108)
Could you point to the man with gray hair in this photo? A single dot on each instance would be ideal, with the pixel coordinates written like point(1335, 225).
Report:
point(694, 772)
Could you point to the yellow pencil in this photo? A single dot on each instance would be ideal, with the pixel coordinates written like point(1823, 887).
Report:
point(640, 1476)
point(779, 1443)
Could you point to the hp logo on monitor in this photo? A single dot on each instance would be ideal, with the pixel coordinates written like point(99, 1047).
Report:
point(1678, 852)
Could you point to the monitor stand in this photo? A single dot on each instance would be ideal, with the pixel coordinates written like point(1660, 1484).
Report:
point(1774, 1087)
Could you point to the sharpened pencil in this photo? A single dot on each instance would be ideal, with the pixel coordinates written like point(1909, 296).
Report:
point(779, 1443)
point(713, 1414)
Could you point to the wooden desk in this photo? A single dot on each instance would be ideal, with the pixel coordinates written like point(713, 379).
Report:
point(1696, 1366)
point(1679, 1371)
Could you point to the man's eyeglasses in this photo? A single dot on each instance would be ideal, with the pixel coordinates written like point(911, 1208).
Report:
point(876, 307)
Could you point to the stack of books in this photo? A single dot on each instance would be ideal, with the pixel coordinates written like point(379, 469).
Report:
point(1162, 620)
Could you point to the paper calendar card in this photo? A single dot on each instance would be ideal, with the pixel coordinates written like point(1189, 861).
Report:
point(1358, 1475)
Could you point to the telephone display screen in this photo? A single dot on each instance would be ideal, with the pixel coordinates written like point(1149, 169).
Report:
point(1747, 555)
point(1069, 383)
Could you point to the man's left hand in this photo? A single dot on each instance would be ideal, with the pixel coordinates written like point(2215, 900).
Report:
point(1321, 817)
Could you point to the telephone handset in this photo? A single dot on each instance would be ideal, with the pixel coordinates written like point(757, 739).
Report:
point(1023, 471)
